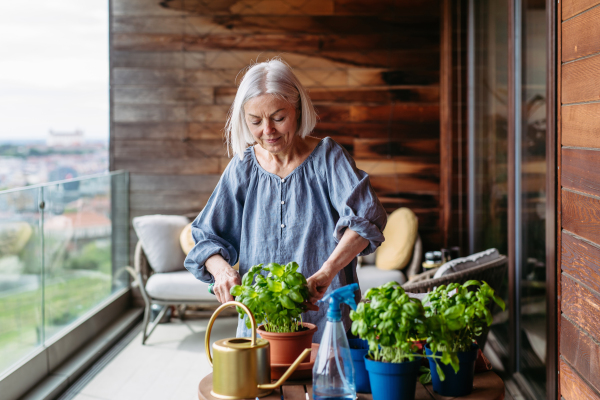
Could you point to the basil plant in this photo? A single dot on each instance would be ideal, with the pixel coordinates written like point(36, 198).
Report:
point(277, 299)
point(455, 316)
point(391, 322)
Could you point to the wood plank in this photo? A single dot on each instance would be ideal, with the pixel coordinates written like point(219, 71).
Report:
point(581, 125)
point(161, 201)
point(145, 130)
point(267, 41)
point(239, 59)
point(206, 130)
point(571, 8)
point(572, 387)
point(379, 130)
point(376, 94)
point(581, 351)
point(580, 260)
point(581, 170)
point(581, 35)
point(147, 42)
point(293, 392)
point(208, 113)
point(173, 183)
point(400, 24)
point(162, 95)
point(581, 80)
point(149, 113)
point(376, 41)
point(166, 149)
point(371, 148)
point(581, 306)
point(385, 76)
point(148, 60)
point(213, 77)
point(420, 166)
point(147, 24)
point(581, 215)
point(150, 77)
point(310, 78)
point(406, 112)
point(143, 8)
point(400, 184)
point(386, 7)
point(193, 166)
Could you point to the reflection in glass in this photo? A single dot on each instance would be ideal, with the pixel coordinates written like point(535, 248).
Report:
point(20, 275)
point(49, 281)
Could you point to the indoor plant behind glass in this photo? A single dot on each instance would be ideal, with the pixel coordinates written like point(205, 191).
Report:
point(455, 316)
point(277, 301)
point(390, 321)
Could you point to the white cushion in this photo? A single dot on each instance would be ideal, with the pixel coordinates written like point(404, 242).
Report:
point(180, 285)
point(371, 276)
point(159, 235)
point(462, 264)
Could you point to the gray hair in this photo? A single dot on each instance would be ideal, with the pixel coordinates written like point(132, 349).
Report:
point(269, 77)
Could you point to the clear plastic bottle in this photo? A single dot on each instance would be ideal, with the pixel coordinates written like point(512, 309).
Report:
point(333, 372)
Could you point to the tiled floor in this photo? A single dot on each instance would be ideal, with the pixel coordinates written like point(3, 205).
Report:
point(169, 366)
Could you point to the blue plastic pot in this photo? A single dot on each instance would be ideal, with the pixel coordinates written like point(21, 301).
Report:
point(359, 348)
point(455, 384)
point(390, 381)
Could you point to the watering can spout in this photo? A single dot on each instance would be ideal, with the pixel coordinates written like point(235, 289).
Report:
point(287, 374)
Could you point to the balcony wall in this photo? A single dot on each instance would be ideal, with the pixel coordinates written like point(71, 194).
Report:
point(372, 69)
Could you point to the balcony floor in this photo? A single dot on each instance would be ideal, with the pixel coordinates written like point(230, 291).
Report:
point(169, 366)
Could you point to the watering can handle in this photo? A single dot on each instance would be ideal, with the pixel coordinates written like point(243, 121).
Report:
point(212, 321)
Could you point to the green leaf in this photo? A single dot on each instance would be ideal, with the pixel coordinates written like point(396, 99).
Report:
point(276, 269)
point(274, 286)
point(500, 302)
point(235, 290)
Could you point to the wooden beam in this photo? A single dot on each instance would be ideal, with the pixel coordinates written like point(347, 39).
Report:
point(446, 119)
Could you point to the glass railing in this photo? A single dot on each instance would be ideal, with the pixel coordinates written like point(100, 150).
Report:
point(62, 247)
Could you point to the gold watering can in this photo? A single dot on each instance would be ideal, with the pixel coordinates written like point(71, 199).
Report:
point(242, 366)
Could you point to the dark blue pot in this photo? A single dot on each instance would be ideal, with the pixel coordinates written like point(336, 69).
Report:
point(390, 381)
point(455, 384)
point(359, 348)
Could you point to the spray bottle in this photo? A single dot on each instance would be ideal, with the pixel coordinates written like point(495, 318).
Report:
point(333, 372)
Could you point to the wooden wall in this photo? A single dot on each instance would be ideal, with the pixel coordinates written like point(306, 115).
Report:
point(579, 199)
point(372, 68)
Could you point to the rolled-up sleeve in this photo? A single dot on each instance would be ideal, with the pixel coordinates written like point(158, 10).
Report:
point(354, 199)
point(217, 228)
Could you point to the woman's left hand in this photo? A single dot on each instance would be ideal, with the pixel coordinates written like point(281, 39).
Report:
point(318, 284)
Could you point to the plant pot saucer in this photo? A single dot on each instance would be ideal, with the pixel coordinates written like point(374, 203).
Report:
point(304, 370)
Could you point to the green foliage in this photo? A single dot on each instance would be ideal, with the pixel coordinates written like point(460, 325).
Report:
point(91, 257)
point(455, 316)
point(277, 300)
point(390, 321)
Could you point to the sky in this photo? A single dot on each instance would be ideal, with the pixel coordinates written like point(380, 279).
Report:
point(53, 68)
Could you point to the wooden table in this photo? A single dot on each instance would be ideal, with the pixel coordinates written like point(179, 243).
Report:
point(487, 386)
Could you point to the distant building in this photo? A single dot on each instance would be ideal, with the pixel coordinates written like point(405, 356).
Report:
point(65, 139)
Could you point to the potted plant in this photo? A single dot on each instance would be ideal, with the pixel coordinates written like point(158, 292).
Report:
point(277, 302)
point(455, 316)
point(390, 321)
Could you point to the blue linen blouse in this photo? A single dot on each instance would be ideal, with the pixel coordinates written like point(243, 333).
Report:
point(257, 217)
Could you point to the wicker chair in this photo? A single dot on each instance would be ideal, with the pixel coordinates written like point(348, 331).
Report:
point(492, 272)
point(142, 272)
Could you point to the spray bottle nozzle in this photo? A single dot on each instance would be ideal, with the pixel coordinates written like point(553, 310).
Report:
point(344, 294)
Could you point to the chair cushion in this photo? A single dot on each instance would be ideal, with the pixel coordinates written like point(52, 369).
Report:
point(179, 285)
point(371, 276)
point(159, 235)
point(465, 263)
point(400, 235)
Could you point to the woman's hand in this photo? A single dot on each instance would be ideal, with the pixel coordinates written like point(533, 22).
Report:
point(318, 283)
point(225, 277)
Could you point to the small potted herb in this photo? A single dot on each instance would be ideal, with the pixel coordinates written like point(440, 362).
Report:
point(391, 322)
point(455, 316)
point(277, 302)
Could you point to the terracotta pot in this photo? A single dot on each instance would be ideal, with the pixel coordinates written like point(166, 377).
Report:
point(286, 347)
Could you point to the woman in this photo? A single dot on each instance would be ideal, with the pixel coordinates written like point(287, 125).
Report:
point(286, 197)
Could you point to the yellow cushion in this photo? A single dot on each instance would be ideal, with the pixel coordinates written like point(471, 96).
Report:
point(187, 241)
point(400, 235)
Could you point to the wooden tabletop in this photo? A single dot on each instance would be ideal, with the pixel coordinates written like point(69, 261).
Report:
point(486, 386)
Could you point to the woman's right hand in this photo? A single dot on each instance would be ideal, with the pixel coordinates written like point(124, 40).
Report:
point(225, 279)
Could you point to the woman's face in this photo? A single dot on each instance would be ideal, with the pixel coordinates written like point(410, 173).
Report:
point(272, 121)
